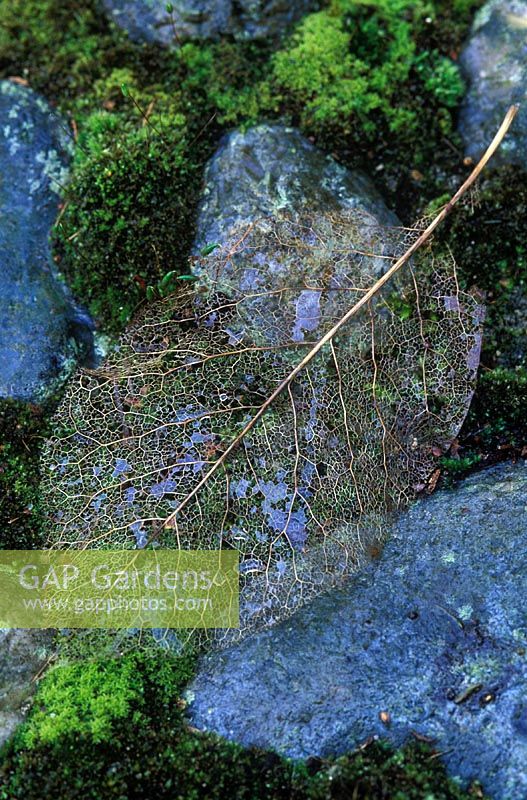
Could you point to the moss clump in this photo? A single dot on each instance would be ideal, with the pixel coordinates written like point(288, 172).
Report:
point(59, 47)
point(86, 698)
point(380, 772)
point(496, 422)
point(135, 222)
point(128, 738)
point(82, 698)
point(353, 67)
point(22, 429)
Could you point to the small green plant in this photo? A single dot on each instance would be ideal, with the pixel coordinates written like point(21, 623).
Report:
point(168, 284)
point(441, 77)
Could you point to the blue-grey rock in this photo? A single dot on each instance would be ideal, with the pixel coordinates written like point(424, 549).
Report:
point(272, 173)
point(494, 62)
point(273, 168)
point(23, 654)
point(42, 331)
point(149, 21)
point(434, 633)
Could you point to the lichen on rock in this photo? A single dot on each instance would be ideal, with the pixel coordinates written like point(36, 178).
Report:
point(42, 331)
point(494, 62)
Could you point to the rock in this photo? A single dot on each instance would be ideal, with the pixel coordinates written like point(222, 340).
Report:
point(272, 168)
point(41, 329)
point(149, 21)
point(494, 63)
point(263, 174)
point(435, 633)
point(23, 653)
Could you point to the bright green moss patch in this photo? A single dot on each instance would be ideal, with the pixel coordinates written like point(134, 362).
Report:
point(22, 429)
point(86, 698)
point(82, 699)
point(349, 68)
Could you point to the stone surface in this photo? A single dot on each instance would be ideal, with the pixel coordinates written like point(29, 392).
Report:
point(148, 20)
point(494, 62)
point(434, 633)
point(273, 168)
point(23, 653)
point(41, 330)
point(261, 175)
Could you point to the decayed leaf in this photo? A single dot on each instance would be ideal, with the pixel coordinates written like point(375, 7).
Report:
point(310, 485)
point(175, 441)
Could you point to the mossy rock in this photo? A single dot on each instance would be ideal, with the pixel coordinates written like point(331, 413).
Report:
point(111, 745)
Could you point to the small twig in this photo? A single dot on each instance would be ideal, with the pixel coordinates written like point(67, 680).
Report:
point(203, 129)
point(144, 114)
point(170, 10)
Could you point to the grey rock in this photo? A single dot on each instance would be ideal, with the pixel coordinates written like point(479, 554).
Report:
point(273, 168)
point(41, 329)
point(23, 654)
point(149, 21)
point(435, 633)
point(494, 62)
point(269, 172)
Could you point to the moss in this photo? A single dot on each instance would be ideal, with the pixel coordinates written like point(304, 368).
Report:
point(135, 222)
point(22, 429)
point(496, 421)
point(129, 739)
point(59, 48)
point(86, 698)
point(380, 772)
point(81, 699)
point(346, 64)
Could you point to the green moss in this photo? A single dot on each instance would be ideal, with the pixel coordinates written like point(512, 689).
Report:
point(358, 69)
point(344, 65)
point(22, 429)
point(497, 416)
point(135, 221)
point(82, 699)
point(129, 739)
point(59, 48)
point(379, 771)
point(86, 698)
point(441, 78)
